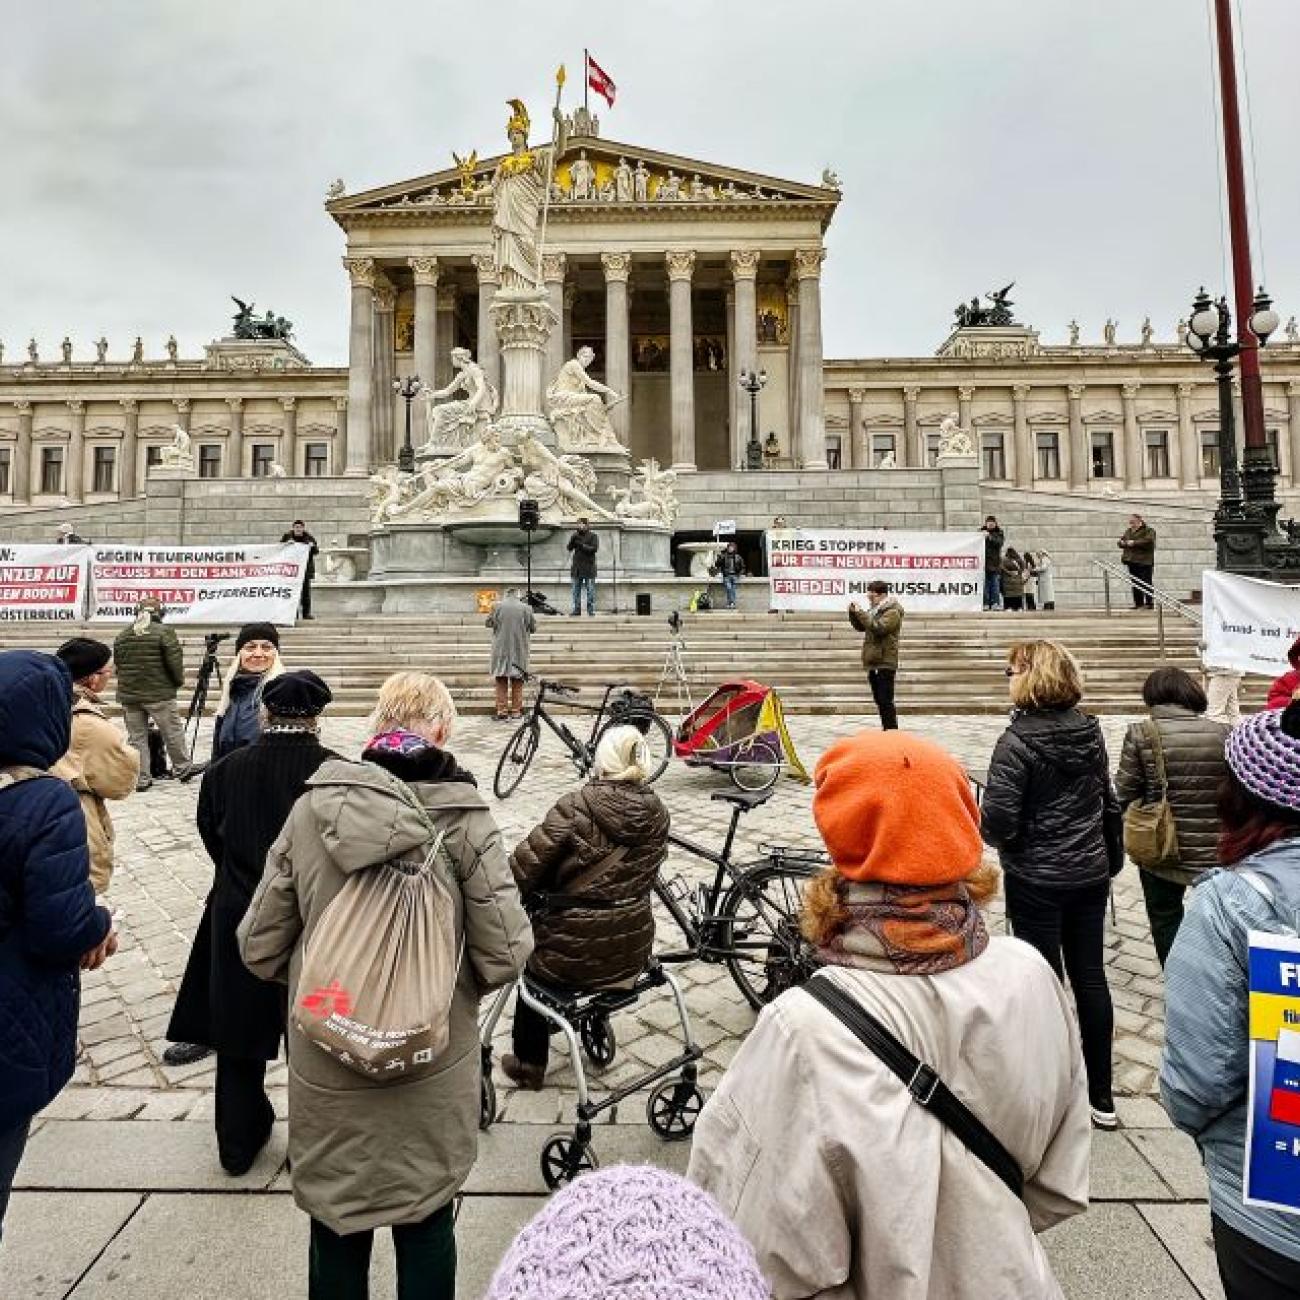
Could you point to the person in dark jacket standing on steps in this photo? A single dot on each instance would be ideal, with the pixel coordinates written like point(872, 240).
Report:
point(1051, 812)
point(881, 624)
point(298, 533)
point(603, 845)
point(1191, 753)
point(730, 566)
point(150, 670)
point(243, 804)
point(583, 544)
point(994, 538)
point(1138, 552)
point(50, 923)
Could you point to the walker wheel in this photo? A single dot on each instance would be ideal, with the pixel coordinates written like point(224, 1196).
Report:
point(598, 1041)
point(487, 1102)
point(564, 1158)
point(673, 1109)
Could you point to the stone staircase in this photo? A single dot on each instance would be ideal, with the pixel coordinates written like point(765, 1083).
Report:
point(952, 663)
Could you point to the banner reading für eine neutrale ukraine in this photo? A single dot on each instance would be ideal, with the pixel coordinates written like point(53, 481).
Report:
point(42, 584)
point(830, 568)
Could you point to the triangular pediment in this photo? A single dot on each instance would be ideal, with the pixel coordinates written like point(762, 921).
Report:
point(1103, 417)
point(1158, 416)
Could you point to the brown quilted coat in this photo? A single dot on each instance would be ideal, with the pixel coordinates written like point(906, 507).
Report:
point(604, 843)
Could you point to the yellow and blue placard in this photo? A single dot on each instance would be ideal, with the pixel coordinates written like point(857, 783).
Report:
point(1272, 1173)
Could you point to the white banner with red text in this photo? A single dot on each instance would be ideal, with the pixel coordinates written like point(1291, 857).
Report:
point(829, 568)
point(43, 584)
point(199, 584)
point(1248, 624)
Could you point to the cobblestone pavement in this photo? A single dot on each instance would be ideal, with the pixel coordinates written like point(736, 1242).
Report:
point(163, 875)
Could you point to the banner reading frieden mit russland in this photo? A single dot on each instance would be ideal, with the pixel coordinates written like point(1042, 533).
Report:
point(199, 584)
point(43, 584)
point(827, 568)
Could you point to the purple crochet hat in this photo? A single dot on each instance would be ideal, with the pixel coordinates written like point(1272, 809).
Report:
point(1265, 757)
point(630, 1232)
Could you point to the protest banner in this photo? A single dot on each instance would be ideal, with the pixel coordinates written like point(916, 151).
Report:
point(199, 584)
point(1272, 1175)
point(1248, 624)
point(828, 568)
point(43, 584)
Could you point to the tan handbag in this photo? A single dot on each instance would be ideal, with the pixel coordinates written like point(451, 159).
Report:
point(1150, 833)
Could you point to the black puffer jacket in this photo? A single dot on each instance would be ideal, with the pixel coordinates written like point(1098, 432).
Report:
point(1194, 766)
point(603, 843)
point(1049, 808)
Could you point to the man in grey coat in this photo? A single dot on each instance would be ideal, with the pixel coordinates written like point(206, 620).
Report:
point(513, 624)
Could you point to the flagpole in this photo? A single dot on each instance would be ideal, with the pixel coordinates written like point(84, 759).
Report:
point(586, 78)
point(550, 176)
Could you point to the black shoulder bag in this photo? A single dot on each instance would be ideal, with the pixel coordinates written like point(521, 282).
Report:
point(921, 1080)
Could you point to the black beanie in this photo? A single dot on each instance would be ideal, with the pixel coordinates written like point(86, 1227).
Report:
point(299, 694)
point(257, 632)
point(84, 656)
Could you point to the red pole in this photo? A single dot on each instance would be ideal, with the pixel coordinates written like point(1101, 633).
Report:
point(1252, 394)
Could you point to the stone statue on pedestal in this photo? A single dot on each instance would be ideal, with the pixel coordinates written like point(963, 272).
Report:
point(137, 351)
point(387, 486)
point(101, 351)
point(623, 182)
point(561, 482)
point(953, 439)
point(582, 178)
point(178, 454)
point(1074, 333)
point(33, 355)
point(578, 405)
point(1148, 332)
point(172, 347)
point(641, 182)
point(66, 345)
point(657, 489)
point(887, 461)
point(1108, 332)
point(482, 471)
point(518, 188)
point(1292, 331)
point(278, 470)
point(459, 422)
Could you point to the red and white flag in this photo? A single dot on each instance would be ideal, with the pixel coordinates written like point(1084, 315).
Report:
point(600, 81)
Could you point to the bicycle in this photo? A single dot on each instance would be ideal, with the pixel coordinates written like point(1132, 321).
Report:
point(631, 710)
point(748, 918)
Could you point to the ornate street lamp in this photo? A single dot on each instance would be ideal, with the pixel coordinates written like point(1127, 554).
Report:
point(753, 384)
point(408, 390)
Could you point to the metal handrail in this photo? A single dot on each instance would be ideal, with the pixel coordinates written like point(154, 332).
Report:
point(1162, 599)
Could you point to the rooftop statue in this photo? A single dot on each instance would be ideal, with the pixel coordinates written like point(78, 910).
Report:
point(998, 312)
point(270, 326)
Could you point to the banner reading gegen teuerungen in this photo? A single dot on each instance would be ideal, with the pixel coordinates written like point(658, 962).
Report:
point(826, 568)
point(43, 584)
point(199, 584)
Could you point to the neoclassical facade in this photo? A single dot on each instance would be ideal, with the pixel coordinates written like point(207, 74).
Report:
point(682, 277)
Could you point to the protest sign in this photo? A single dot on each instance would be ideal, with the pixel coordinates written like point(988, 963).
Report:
point(828, 568)
point(43, 584)
point(199, 584)
point(1248, 624)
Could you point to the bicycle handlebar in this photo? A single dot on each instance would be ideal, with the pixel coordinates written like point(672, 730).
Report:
point(553, 688)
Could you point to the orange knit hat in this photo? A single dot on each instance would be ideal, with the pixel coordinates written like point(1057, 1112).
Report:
point(896, 808)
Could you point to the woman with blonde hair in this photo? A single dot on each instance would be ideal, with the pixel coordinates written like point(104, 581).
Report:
point(392, 1151)
point(1051, 812)
point(588, 872)
point(257, 661)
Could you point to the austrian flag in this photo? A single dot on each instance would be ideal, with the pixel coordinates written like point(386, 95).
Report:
point(600, 81)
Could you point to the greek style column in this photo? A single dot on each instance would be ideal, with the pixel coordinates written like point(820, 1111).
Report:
point(427, 339)
point(812, 398)
point(1080, 460)
point(75, 473)
point(289, 443)
point(734, 437)
point(182, 405)
point(1293, 422)
point(618, 270)
point(570, 296)
point(1024, 470)
point(1132, 438)
point(858, 449)
point(128, 473)
point(385, 368)
point(234, 466)
point(440, 375)
point(338, 444)
point(681, 355)
point(489, 347)
point(792, 353)
point(913, 450)
point(21, 485)
point(964, 398)
point(554, 268)
point(361, 364)
point(1189, 445)
point(744, 275)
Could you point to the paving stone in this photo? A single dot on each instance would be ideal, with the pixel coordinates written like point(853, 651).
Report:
point(1112, 1251)
point(1175, 1158)
point(1120, 1173)
point(52, 1238)
point(1185, 1232)
point(1142, 1112)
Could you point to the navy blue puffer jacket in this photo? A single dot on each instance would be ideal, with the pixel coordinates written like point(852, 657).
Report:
point(48, 917)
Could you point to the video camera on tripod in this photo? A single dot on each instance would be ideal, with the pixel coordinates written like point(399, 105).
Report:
point(209, 667)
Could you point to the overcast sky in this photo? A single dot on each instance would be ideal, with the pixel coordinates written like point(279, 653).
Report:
point(157, 156)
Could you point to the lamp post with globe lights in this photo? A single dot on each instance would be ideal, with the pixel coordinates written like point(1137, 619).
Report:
point(753, 383)
point(408, 390)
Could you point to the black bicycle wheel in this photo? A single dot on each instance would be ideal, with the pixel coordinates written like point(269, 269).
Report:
point(515, 758)
point(768, 952)
point(658, 738)
point(755, 767)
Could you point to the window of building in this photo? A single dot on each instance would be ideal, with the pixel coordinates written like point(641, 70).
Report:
point(1210, 453)
point(51, 470)
point(152, 456)
point(104, 477)
point(1048, 444)
point(882, 445)
point(994, 452)
point(834, 452)
point(210, 460)
point(1270, 441)
point(6, 486)
point(1157, 445)
point(931, 449)
point(263, 455)
point(317, 459)
point(1103, 453)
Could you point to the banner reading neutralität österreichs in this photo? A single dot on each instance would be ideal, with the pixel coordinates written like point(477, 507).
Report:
point(827, 568)
point(199, 584)
point(43, 584)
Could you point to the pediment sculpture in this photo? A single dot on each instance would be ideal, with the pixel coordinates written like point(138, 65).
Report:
point(459, 421)
point(578, 406)
point(651, 495)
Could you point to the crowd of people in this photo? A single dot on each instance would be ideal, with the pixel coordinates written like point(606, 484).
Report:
point(815, 1170)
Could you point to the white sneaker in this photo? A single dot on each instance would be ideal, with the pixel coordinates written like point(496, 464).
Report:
point(1104, 1119)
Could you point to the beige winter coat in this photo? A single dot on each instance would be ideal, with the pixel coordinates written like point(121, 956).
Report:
point(865, 1194)
point(99, 765)
point(367, 1154)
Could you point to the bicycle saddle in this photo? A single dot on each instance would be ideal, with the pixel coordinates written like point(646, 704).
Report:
point(747, 799)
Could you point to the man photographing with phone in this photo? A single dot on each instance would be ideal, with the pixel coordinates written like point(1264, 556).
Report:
point(881, 623)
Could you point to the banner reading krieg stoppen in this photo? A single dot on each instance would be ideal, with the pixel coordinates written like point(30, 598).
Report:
point(1248, 624)
point(43, 584)
point(199, 584)
point(828, 568)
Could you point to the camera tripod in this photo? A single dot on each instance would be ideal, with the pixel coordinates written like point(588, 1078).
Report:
point(673, 673)
point(209, 668)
